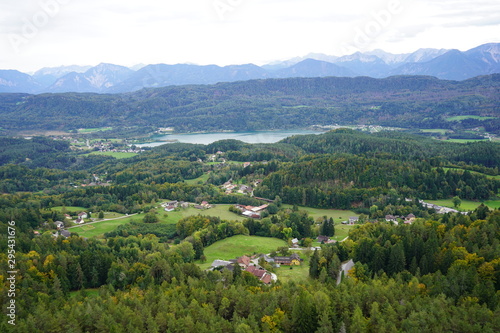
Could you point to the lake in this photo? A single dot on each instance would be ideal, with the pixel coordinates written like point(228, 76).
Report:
point(248, 137)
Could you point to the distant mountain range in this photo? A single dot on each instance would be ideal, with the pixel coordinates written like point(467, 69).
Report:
point(109, 78)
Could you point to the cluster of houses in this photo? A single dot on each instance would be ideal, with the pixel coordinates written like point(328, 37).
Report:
point(229, 187)
point(216, 157)
point(409, 219)
point(106, 146)
point(172, 205)
point(250, 265)
point(251, 211)
point(352, 220)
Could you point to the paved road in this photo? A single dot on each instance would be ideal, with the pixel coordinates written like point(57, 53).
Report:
point(116, 218)
point(345, 268)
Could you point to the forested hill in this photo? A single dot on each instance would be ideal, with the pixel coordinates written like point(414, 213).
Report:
point(403, 101)
point(401, 146)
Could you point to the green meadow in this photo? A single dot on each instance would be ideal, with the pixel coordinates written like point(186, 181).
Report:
point(200, 180)
point(115, 154)
point(294, 273)
point(237, 246)
point(466, 205)
point(100, 228)
point(458, 118)
point(337, 214)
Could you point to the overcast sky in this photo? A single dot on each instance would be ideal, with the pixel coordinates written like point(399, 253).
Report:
point(50, 33)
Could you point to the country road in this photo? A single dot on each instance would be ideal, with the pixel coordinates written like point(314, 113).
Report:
point(103, 220)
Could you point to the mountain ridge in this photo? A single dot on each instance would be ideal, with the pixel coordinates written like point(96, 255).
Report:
point(110, 78)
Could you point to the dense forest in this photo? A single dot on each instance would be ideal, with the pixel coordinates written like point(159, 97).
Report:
point(402, 101)
point(440, 273)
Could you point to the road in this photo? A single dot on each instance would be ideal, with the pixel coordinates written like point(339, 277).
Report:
point(345, 268)
point(116, 218)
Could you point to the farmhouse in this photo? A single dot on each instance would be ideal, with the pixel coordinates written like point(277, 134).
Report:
point(59, 224)
point(353, 219)
point(83, 215)
point(219, 263)
point(263, 275)
point(390, 218)
point(293, 260)
point(323, 239)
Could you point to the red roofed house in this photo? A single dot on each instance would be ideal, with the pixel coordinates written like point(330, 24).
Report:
point(259, 273)
point(244, 261)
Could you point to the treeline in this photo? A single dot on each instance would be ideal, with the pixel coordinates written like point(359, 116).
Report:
point(42, 152)
point(401, 146)
point(456, 256)
point(18, 178)
point(403, 101)
point(344, 181)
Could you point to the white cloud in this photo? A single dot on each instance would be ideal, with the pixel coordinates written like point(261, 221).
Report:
point(171, 31)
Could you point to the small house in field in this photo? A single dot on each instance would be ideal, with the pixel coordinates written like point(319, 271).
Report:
point(353, 219)
point(174, 203)
point(59, 224)
point(390, 218)
point(83, 215)
point(323, 239)
point(169, 208)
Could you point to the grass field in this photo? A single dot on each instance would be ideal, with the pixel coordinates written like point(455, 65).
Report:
point(221, 211)
point(297, 273)
point(436, 130)
point(71, 209)
point(337, 214)
point(200, 180)
point(465, 206)
point(100, 228)
point(493, 204)
point(342, 231)
point(91, 130)
point(117, 155)
point(458, 118)
point(240, 245)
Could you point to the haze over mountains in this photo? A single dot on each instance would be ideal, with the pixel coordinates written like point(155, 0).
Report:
point(109, 78)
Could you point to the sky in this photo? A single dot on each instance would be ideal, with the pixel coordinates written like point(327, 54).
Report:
point(52, 33)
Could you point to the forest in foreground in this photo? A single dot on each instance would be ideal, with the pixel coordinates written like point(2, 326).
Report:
point(439, 273)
